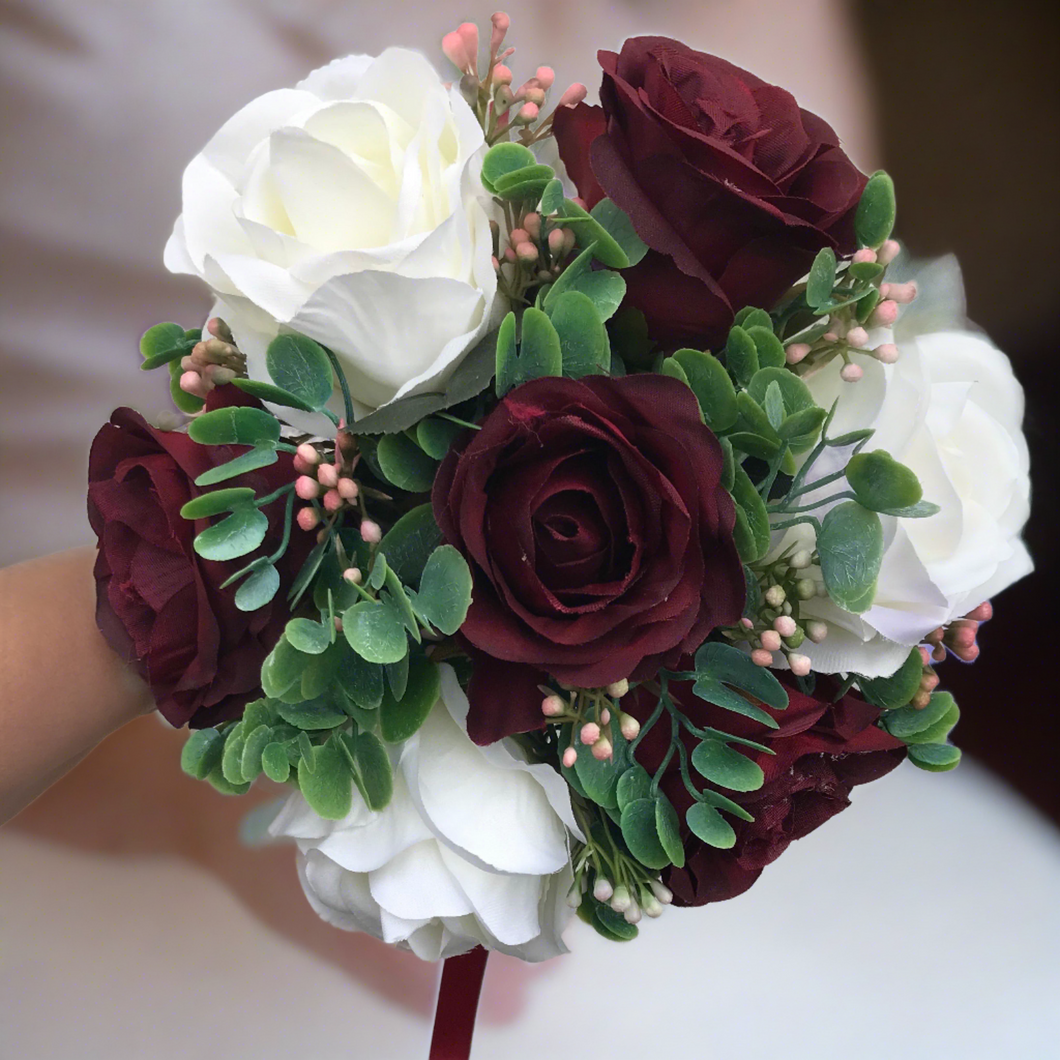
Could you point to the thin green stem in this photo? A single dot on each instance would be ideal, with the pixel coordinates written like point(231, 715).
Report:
point(347, 401)
point(846, 495)
point(287, 520)
point(263, 502)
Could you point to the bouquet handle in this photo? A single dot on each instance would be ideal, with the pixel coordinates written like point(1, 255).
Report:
point(454, 1017)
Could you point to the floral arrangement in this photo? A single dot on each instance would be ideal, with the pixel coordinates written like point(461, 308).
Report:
point(571, 506)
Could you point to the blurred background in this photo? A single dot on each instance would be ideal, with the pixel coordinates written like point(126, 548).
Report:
point(104, 102)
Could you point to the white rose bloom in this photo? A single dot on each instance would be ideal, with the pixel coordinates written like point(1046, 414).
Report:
point(472, 850)
point(348, 209)
point(951, 410)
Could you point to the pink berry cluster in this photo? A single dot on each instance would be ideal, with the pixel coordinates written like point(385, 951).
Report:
point(960, 636)
point(497, 105)
point(589, 713)
point(845, 336)
point(329, 488)
point(212, 362)
point(543, 258)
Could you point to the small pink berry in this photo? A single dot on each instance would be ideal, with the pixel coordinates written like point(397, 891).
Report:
point(602, 750)
point(556, 241)
point(573, 95)
point(590, 733)
point(761, 657)
point(353, 575)
point(546, 76)
point(902, 293)
point(551, 706)
point(800, 664)
point(884, 315)
point(532, 224)
point(307, 488)
point(332, 501)
point(857, 337)
point(528, 113)
point(816, 630)
point(628, 726)
point(851, 373)
point(328, 475)
point(348, 489)
point(518, 235)
point(570, 756)
point(887, 353)
point(785, 625)
point(455, 50)
point(796, 352)
point(617, 689)
point(771, 640)
point(192, 383)
point(309, 454)
point(371, 532)
point(983, 613)
point(865, 256)
point(502, 75)
point(509, 254)
point(308, 518)
point(469, 35)
point(747, 623)
point(888, 252)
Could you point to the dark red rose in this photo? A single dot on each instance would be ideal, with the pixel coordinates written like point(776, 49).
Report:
point(599, 537)
point(159, 604)
point(823, 750)
point(730, 183)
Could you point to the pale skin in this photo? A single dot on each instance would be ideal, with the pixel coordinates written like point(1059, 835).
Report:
point(62, 689)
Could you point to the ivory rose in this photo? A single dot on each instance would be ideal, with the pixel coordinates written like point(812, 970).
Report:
point(472, 849)
point(950, 409)
point(348, 209)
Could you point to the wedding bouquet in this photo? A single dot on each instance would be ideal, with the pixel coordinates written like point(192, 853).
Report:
point(571, 506)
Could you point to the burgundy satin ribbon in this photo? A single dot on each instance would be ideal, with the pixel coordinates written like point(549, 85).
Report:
point(454, 1018)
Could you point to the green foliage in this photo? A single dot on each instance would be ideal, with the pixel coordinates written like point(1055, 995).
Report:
point(165, 344)
point(710, 382)
point(201, 754)
point(668, 829)
point(409, 543)
point(435, 435)
point(895, 691)
point(935, 757)
point(584, 345)
point(376, 630)
point(741, 355)
point(299, 366)
point(360, 680)
point(242, 532)
point(589, 231)
point(641, 835)
point(617, 224)
point(445, 590)
point(875, 215)
point(633, 784)
point(821, 279)
point(604, 288)
point(539, 351)
point(405, 464)
point(189, 404)
point(552, 197)
point(930, 725)
point(400, 717)
point(312, 715)
point(502, 159)
point(235, 425)
point(269, 392)
point(882, 483)
point(326, 781)
point(275, 762)
point(723, 671)
point(751, 532)
point(240, 465)
point(305, 635)
point(372, 772)
point(727, 767)
point(258, 589)
point(218, 501)
point(850, 546)
point(768, 347)
point(707, 824)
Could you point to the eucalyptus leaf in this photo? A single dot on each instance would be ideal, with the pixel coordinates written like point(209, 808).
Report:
point(584, 345)
point(755, 514)
point(405, 464)
point(633, 784)
point(589, 230)
point(711, 384)
point(307, 636)
point(641, 834)
point(163, 343)
point(268, 392)
point(202, 752)
point(300, 366)
point(502, 159)
point(875, 214)
point(821, 280)
point(258, 589)
point(882, 483)
point(445, 590)
point(226, 500)
point(540, 353)
point(895, 691)
point(400, 718)
point(253, 747)
point(189, 404)
point(668, 829)
point(235, 425)
point(768, 347)
point(707, 824)
point(375, 631)
point(725, 766)
point(360, 680)
point(275, 763)
point(240, 465)
point(850, 546)
point(409, 543)
point(616, 222)
point(935, 757)
point(373, 769)
point(435, 435)
point(326, 782)
point(240, 533)
point(312, 715)
point(741, 355)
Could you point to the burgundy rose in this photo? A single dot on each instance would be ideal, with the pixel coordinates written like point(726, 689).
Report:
point(822, 750)
point(159, 604)
point(730, 183)
point(599, 537)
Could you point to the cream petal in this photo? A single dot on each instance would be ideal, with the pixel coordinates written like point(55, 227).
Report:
point(389, 332)
point(417, 885)
point(332, 203)
point(402, 79)
point(339, 79)
point(210, 223)
point(498, 818)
